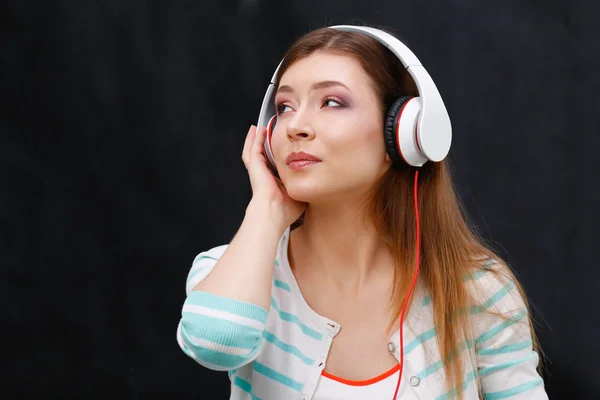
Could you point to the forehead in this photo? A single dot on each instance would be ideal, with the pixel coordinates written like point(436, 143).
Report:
point(322, 66)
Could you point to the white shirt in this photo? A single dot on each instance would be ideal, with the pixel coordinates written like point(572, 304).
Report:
point(331, 389)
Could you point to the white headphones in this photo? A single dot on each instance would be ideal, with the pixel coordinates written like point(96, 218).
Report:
point(417, 129)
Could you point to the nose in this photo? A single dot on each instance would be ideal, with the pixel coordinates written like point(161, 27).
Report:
point(299, 128)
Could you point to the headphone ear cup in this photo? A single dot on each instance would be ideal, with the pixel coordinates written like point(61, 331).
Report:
point(271, 126)
point(390, 133)
point(401, 139)
point(267, 145)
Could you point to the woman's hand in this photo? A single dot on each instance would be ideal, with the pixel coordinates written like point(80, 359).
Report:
point(267, 189)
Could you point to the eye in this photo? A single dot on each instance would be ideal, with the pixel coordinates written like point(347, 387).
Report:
point(329, 101)
point(281, 108)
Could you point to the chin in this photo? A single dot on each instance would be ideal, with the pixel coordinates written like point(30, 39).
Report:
point(306, 190)
point(322, 188)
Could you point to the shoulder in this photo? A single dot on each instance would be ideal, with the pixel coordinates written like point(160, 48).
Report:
point(493, 283)
point(503, 340)
point(497, 299)
point(202, 264)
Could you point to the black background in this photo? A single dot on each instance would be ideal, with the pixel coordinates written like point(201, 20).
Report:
point(122, 125)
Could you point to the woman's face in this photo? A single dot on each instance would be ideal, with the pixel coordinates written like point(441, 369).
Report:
point(327, 108)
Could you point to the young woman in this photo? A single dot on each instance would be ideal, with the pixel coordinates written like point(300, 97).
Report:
point(354, 275)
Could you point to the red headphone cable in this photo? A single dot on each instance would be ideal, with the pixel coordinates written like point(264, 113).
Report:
point(417, 259)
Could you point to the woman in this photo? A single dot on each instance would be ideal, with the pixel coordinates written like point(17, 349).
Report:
point(306, 300)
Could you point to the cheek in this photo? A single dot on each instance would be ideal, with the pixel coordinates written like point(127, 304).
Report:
point(365, 144)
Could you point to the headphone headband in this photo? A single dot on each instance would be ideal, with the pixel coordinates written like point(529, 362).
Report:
point(433, 127)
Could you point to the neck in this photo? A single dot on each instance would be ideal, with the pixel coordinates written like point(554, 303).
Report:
point(339, 246)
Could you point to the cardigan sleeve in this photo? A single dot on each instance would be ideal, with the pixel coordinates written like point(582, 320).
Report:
point(219, 333)
point(506, 361)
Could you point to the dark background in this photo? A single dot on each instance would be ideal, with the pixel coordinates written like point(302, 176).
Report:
point(122, 125)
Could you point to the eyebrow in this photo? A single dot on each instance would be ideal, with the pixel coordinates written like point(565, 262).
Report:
point(314, 86)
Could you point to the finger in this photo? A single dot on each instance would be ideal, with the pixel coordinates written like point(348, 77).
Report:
point(248, 143)
point(258, 145)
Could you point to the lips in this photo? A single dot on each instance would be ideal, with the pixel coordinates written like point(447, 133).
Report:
point(299, 160)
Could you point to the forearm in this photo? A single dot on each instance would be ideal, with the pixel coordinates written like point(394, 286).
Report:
point(245, 270)
point(224, 316)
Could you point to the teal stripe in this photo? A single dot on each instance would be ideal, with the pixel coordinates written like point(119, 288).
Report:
point(499, 328)
point(231, 372)
point(475, 309)
point(219, 331)
point(452, 393)
point(475, 276)
point(277, 263)
point(288, 348)
point(494, 299)
point(245, 386)
point(489, 263)
point(426, 301)
point(505, 349)
point(513, 391)
point(295, 320)
point(242, 384)
point(507, 364)
point(430, 370)
point(276, 376)
point(495, 395)
point(217, 358)
point(478, 275)
point(422, 338)
point(282, 285)
point(438, 365)
point(241, 308)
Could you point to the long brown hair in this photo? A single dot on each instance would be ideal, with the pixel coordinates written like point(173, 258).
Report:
point(450, 247)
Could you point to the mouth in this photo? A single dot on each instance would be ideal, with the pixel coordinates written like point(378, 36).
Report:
point(300, 160)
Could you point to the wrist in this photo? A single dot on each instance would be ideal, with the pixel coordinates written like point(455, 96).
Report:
point(268, 215)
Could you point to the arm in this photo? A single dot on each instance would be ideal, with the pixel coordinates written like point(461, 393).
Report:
point(506, 361)
point(229, 290)
point(226, 310)
point(245, 270)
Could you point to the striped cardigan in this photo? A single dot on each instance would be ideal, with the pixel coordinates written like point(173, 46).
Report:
point(280, 353)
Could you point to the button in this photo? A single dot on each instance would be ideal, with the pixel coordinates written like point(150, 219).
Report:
point(414, 380)
point(391, 347)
